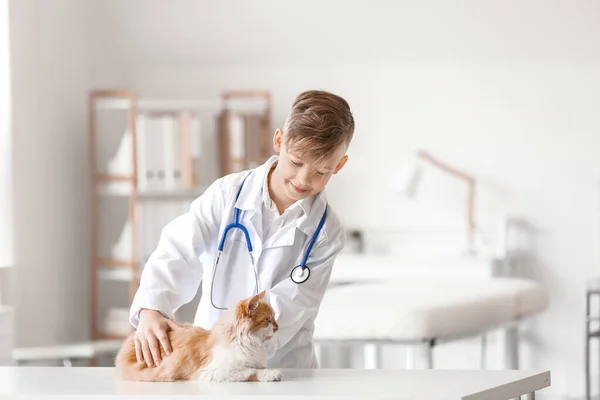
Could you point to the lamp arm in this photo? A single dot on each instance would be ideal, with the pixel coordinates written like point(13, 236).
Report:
point(471, 187)
point(443, 166)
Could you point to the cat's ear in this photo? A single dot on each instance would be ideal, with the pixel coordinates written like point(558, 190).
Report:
point(253, 303)
point(261, 295)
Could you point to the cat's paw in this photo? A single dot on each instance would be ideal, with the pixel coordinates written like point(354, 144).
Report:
point(269, 375)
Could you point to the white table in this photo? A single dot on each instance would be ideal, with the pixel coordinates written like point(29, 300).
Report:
point(296, 384)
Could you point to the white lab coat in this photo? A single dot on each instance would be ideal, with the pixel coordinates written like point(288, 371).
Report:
point(188, 246)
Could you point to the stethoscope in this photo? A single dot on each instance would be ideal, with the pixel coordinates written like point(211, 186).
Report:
point(298, 275)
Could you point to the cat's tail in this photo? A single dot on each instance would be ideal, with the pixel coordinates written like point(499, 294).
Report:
point(126, 360)
point(127, 366)
point(192, 348)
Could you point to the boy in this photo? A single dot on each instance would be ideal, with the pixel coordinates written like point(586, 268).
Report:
point(281, 204)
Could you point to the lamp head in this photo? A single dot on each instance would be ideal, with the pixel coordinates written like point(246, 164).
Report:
point(408, 177)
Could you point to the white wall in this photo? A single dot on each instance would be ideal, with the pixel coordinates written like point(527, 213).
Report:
point(6, 226)
point(504, 90)
point(49, 76)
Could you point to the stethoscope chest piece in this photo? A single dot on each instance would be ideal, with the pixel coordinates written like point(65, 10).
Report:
point(299, 274)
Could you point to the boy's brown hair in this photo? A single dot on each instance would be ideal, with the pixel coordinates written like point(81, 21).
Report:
point(319, 123)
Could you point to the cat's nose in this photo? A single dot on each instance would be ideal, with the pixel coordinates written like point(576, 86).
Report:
point(275, 326)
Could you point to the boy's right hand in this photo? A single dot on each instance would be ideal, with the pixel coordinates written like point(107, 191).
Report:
point(152, 333)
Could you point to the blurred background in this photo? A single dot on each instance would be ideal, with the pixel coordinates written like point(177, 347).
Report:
point(115, 115)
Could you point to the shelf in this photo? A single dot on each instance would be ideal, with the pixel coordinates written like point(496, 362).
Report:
point(157, 104)
point(105, 178)
point(108, 335)
point(116, 274)
point(149, 105)
point(112, 104)
point(114, 263)
point(112, 94)
point(152, 194)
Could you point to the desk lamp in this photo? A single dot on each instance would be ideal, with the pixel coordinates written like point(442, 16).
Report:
point(409, 176)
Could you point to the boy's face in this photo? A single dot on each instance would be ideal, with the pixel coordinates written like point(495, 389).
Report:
point(299, 175)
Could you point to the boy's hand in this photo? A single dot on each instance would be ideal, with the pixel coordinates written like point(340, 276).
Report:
point(152, 333)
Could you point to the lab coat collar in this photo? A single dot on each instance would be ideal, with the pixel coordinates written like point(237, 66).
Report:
point(251, 198)
point(309, 221)
point(253, 194)
point(306, 223)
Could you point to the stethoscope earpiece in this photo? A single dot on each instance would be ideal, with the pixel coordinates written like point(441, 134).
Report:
point(299, 274)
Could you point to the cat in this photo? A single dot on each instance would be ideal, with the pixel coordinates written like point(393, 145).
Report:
point(234, 350)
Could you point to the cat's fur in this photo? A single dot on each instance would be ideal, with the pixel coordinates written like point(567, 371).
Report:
point(235, 349)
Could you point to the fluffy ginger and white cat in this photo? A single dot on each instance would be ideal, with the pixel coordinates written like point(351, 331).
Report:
point(234, 350)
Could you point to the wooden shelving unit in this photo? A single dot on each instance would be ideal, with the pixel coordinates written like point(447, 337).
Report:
point(130, 186)
point(244, 130)
point(101, 179)
point(126, 187)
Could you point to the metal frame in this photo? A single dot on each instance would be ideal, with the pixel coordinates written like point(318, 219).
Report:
point(593, 288)
point(372, 346)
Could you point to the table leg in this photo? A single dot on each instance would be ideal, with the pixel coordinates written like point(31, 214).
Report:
point(319, 354)
point(345, 356)
point(587, 348)
point(429, 354)
point(511, 343)
point(423, 352)
point(598, 338)
point(483, 354)
point(410, 357)
point(372, 353)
